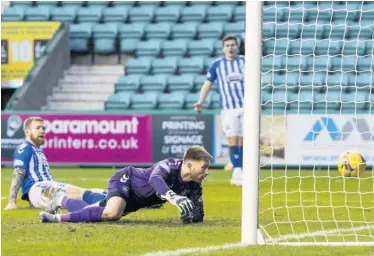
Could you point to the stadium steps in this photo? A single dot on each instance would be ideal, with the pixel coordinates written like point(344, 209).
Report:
point(84, 88)
point(4, 4)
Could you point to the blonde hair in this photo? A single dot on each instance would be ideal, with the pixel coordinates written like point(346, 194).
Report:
point(197, 153)
point(28, 121)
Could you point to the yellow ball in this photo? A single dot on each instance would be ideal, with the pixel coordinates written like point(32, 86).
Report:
point(351, 164)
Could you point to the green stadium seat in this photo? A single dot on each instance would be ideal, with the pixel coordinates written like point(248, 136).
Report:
point(361, 31)
point(199, 81)
point(208, 62)
point(150, 3)
point(16, 13)
point(79, 37)
point(175, 3)
point(168, 14)
point(275, 100)
point(64, 14)
point(176, 47)
point(124, 3)
point(287, 81)
point(325, 47)
point(311, 30)
point(369, 47)
point(336, 31)
point(239, 13)
point(319, 63)
point(227, 3)
point(185, 31)
point(355, 102)
point(337, 81)
point(158, 30)
point(235, 29)
point(130, 83)
point(354, 47)
point(345, 63)
point(348, 11)
point(21, 3)
point(121, 100)
point(115, 14)
point(89, 14)
point(272, 63)
point(41, 13)
point(295, 15)
point(286, 30)
point(312, 81)
point(215, 100)
point(191, 65)
point(174, 100)
point(148, 48)
point(304, 47)
point(268, 30)
point(204, 47)
point(267, 81)
point(104, 38)
point(302, 101)
point(368, 13)
point(166, 65)
point(218, 47)
point(142, 14)
point(272, 14)
point(50, 4)
point(128, 45)
point(276, 46)
point(362, 80)
point(210, 30)
point(138, 66)
point(220, 13)
point(156, 83)
point(192, 13)
point(72, 3)
point(131, 31)
point(147, 100)
point(199, 4)
point(295, 63)
point(102, 4)
point(315, 14)
point(365, 63)
point(183, 83)
point(328, 101)
point(192, 98)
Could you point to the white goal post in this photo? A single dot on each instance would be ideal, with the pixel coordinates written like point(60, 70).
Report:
point(309, 96)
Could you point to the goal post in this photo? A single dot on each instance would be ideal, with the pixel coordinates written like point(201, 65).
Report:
point(309, 97)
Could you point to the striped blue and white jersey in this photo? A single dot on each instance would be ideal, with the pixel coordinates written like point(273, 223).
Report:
point(230, 81)
point(33, 160)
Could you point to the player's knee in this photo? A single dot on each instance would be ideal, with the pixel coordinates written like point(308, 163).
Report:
point(110, 215)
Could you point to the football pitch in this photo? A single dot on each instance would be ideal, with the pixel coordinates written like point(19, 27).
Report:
point(287, 206)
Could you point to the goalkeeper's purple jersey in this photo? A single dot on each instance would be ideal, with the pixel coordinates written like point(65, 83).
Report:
point(147, 184)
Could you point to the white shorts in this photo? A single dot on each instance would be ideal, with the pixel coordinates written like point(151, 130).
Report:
point(41, 193)
point(232, 122)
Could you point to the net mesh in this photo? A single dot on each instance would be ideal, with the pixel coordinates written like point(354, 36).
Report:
point(317, 100)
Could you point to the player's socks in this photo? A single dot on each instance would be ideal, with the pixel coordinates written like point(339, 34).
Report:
point(240, 156)
point(73, 205)
point(90, 197)
point(88, 214)
point(235, 156)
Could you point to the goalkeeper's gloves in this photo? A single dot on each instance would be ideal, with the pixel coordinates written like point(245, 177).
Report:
point(184, 204)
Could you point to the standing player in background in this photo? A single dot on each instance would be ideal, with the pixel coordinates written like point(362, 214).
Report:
point(229, 73)
point(130, 189)
point(31, 171)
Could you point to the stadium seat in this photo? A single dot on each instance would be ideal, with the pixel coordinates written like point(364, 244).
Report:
point(101, 4)
point(138, 66)
point(191, 65)
point(361, 31)
point(302, 101)
point(50, 4)
point(148, 100)
point(79, 37)
point(344, 63)
point(130, 83)
point(239, 13)
point(121, 100)
point(304, 47)
point(104, 38)
point(235, 29)
point(142, 14)
point(368, 13)
point(272, 63)
point(15, 13)
point(89, 14)
point(272, 14)
point(295, 63)
point(200, 4)
point(354, 47)
point(148, 48)
point(268, 30)
point(362, 80)
point(325, 47)
point(128, 45)
point(131, 31)
point(369, 47)
point(72, 3)
point(124, 3)
point(220, 13)
point(186, 31)
point(365, 63)
point(156, 83)
point(174, 100)
point(158, 30)
point(286, 30)
point(217, 47)
point(347, 11)
point(192, 98)
point(41, 13)
point(337, 81)
point(204, 47)
point(336, 31)
point(275, 100)
point(192, 13)
point(176, 47)
point(166, 65)
point(319, 63)
point(168, 14)
point(277, 46)
point(354, 102)
point(315, 14)
point(64, 14)
point(198, 82)
point(311, 30)
point(312, 81)
point(175, 3)
point(328, 101)
point(21, 3)
point(295, 14)
point(286, 81)
point(150, 3)
point(184, 82)
point(115, 14)
point(208, 62)
point(210, 30)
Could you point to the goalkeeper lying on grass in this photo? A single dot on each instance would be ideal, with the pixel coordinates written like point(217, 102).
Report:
point(130, 189)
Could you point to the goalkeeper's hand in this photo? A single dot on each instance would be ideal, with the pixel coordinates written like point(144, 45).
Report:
point(184, 204)
point(187, 218)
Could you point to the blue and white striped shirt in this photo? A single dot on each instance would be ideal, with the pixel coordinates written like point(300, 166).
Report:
point(230, 81)
point(33, 160)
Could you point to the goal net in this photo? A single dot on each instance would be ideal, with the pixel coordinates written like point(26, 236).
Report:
point(316, 102)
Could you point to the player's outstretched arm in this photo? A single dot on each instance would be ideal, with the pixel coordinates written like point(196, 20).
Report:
point(203, 94)
point(18, 176)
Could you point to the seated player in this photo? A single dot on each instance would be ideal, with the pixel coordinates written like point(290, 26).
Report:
point(31, 171)
point(130, 189)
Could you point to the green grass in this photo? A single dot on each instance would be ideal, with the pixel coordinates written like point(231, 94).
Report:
point(152, 230)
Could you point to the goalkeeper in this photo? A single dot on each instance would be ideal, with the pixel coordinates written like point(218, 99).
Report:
point(130, 189)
